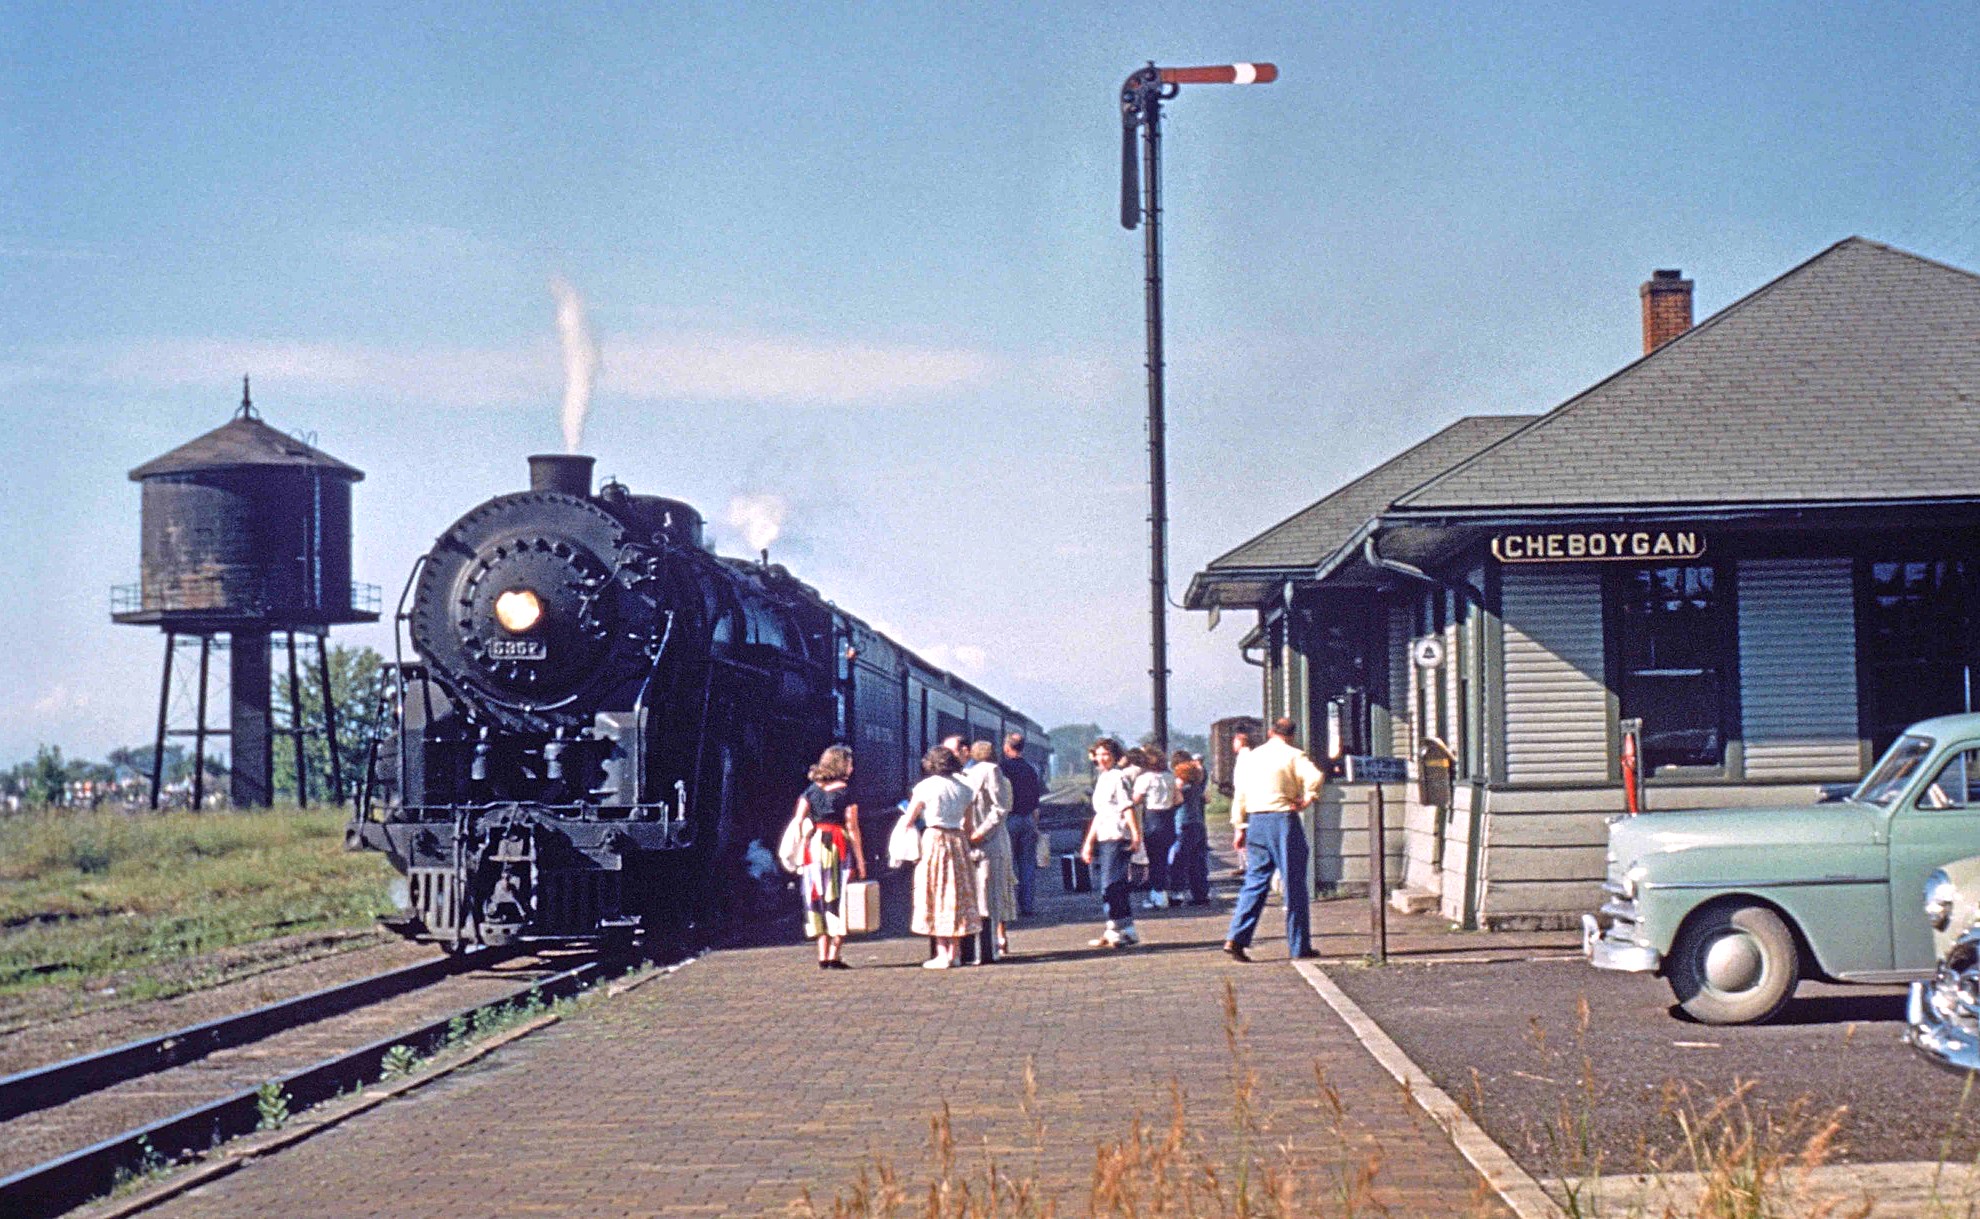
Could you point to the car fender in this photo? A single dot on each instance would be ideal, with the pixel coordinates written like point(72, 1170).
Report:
point(1842, 927)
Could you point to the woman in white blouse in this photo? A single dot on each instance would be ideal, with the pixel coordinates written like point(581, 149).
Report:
point(1112, 839)
point(945, 897)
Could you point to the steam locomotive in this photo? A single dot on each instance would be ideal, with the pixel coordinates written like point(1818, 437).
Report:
point(606, 722)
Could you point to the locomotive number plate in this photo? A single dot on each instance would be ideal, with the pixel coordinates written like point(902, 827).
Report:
point(517, 649)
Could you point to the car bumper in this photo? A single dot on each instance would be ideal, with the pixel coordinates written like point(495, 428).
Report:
point(1606, 949)
point(1928, 1031)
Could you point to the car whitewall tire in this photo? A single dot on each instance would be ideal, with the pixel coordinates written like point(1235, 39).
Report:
point(1733, 964)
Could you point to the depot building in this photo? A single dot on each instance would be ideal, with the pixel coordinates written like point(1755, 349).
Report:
point(1758, 540)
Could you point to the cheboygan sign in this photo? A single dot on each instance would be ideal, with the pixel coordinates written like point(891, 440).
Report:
point(1604, 544)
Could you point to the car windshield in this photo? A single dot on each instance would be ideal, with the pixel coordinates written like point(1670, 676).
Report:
point(1888, 778)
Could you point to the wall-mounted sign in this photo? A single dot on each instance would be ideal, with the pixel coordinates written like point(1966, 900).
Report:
point(1427, 652)
point(1361, 769)
point(1581, 545)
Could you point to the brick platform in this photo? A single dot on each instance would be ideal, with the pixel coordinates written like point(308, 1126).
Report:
point(749, 1077)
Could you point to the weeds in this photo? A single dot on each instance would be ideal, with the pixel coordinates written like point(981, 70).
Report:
point(399, 1062)
point(1161, 1170)
point(272, 1104)
point(85, 894)
point(1730, 1157)
point(151, 1165)
point(465, 1029)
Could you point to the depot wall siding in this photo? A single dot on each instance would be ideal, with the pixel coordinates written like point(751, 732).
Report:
point(1545, 849)
point(1797, 669)
point(1402, 712)
point(1456, 864)
point(1557, 707)
point(1338, 826)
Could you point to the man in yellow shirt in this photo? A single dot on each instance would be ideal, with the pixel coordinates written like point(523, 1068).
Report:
point(1270, 786)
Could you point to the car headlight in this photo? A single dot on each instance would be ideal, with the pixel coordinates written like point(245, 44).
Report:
point(1940, 895)
point(1631, 879)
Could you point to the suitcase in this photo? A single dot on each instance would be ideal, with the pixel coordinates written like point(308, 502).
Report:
point(862, 907)
point(1075, 875)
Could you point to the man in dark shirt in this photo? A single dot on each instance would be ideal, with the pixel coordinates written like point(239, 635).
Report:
point(1025, 791)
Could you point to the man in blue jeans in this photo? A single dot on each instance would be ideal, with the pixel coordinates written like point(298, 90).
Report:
point(1271, 786)
point(1023, 821)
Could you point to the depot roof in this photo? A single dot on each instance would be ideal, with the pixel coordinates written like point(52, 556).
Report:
point(1305, 541)
point(1854, 377)
point(1851, 381)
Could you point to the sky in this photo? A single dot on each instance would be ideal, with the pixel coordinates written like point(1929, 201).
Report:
point(864, 261)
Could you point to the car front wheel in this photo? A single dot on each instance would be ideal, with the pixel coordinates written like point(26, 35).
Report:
point(1733, 965)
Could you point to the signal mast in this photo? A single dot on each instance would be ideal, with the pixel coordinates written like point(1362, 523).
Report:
point(1142, 96)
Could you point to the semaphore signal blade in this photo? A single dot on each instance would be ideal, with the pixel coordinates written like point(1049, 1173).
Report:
point(1222, 74)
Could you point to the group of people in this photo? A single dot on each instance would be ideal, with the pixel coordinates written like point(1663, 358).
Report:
point(977, 854)
point(1145, 814)
point(977, 847)
point(1148, 813)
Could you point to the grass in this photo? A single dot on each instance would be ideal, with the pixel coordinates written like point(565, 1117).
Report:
point(85, 895)
point(1728, 1156)
point(1735, 1159)
point(1172, 1168)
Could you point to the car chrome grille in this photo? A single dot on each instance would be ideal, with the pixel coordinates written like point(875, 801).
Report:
point(1955, 989)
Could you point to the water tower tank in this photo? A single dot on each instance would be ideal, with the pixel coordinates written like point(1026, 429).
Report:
point(246, 534)
point(245, 524)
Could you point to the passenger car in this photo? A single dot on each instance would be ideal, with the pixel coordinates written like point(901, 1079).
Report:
point(1734, 906)
point(1942, 1019)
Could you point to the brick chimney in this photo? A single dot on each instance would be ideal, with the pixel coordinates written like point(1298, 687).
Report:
point(1666, 308)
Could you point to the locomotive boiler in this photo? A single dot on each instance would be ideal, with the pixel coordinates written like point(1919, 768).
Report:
point(603, 721)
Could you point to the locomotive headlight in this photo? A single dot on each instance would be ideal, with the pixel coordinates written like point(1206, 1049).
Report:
point(518, 610)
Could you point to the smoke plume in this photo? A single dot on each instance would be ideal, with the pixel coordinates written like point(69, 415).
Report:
point(580, 360)
point(759, 517)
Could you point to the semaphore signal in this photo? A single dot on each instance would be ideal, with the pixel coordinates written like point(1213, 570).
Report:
point(1142, 95)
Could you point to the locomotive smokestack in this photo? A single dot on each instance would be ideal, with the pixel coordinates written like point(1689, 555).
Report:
point(567, 473)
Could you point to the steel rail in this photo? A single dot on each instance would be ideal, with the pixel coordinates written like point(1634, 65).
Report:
point(70, 1180)
point(60, 1082)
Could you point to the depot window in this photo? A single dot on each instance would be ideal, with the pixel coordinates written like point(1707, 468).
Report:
point(1917, 639)
point(1674, 656)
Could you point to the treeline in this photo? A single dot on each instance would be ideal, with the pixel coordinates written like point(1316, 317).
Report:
point(1070, 742)
point(357, 688)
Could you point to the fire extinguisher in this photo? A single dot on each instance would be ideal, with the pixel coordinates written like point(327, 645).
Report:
point(1632, 765)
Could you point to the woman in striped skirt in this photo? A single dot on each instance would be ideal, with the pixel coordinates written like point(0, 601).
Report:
point(832, 853)
point(945, 897)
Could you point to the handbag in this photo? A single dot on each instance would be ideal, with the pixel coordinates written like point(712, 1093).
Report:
point(790, 847)
point(904, 844)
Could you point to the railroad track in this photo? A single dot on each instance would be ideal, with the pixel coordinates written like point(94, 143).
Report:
point(70, 1131)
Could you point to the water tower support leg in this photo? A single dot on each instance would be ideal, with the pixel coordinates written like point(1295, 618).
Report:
point(296, 726)
point(199, 727)
point(164, 707)
point(251, 725)
point(329, 718)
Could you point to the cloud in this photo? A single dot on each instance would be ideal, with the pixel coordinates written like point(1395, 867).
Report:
point(60, 700)
point(428, 242)
point(963, 659)
point(51, 252)
point(753, 367)
point(672, 366)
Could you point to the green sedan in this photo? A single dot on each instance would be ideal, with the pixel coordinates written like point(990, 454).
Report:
point(1735, 906)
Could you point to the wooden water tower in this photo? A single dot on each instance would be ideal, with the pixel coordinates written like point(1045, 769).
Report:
point(246, 540)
